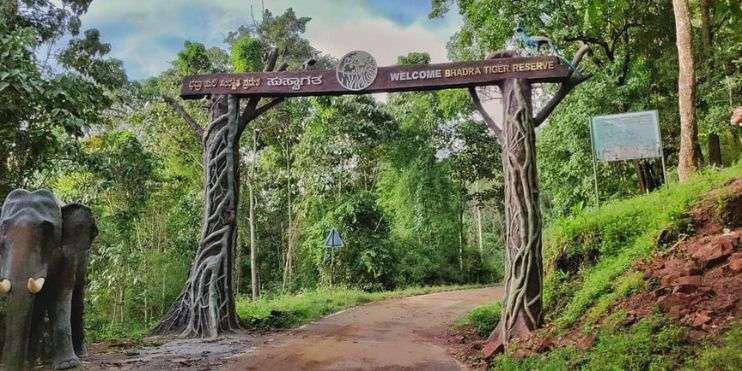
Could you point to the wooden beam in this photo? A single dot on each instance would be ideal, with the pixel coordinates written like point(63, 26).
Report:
point(388, 79)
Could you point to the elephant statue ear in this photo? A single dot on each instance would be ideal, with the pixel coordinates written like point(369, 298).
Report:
point(78, 227)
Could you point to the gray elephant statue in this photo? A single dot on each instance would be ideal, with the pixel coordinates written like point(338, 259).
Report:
point(44, 250)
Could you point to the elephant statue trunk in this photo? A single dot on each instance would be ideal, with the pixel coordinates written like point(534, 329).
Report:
point(43, 261)
point(18, 330)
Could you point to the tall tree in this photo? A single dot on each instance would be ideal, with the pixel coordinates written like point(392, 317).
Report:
point(56, 82)
point(688, 154)
point(714, 143)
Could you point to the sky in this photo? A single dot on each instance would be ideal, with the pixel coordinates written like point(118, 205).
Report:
point(147, 34)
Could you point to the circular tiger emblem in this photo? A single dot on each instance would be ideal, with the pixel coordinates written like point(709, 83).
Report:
point(356, 70)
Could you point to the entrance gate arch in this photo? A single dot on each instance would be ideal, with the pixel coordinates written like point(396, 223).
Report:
point(206, 304)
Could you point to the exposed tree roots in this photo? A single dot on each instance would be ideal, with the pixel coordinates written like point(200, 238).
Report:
point(206, 305)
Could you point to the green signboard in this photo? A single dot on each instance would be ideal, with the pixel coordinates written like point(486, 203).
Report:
point(626, 136)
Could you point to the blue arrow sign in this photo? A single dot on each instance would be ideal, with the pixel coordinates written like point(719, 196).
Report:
point(333, 239)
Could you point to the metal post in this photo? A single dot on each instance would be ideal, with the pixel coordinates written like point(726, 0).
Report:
point(595, 165)
point(332, 264)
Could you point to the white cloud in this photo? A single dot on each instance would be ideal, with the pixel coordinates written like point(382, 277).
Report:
point(337, 27)
point(385, 40)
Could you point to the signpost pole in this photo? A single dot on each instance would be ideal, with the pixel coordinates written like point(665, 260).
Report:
point(595, 164)
point(332, 242)
point(332, 265)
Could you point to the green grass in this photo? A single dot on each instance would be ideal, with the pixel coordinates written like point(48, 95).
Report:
point(132, 331)
point(651, 344)
point(285, 311)
point(482, 318)
point(607, 241)
point(724, 356)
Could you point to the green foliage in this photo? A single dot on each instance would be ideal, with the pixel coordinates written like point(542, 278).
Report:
point(724, 356)
point(284, 32)
point(588, 259)
point(414, 58)
point(483, 318)
point(625, 285)
point(193, 59)
point(412, 184)
point(142, 233)
point(290, 310)
point(45, 109)
point(633, 65)
point(247, 54)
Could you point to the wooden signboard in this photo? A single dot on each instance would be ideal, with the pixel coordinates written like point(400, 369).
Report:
point(357, 74)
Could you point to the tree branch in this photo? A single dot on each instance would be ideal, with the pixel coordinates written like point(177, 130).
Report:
point(270, 63)
point(497, 129)
point(198, 131)
point(252, 110)
point(575, 78)
point(609, 53)
point(250, 113)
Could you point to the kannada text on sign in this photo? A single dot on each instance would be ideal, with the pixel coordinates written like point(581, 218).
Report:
point(392, 78)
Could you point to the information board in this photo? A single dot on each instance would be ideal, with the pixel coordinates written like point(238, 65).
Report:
point(626, 136)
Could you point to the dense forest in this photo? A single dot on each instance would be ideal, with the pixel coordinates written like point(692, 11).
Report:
point(413, 182)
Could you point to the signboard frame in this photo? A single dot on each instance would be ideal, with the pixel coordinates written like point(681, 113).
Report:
point(656, 121)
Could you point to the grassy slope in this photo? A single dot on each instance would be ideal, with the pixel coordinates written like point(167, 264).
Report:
point(296, 309)
point(597, 250)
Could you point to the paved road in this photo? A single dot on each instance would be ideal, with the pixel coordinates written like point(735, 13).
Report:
point(396, 334)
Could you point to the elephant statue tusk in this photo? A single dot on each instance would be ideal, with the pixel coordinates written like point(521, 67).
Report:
point(4, 287)
point(35, 285)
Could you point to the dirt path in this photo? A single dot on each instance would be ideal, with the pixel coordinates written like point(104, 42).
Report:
point(396, 334)
point(406, 333)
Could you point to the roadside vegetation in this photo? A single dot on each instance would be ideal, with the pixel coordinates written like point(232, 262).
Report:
point(482, 319)
point(285, 311)
point(592, 262)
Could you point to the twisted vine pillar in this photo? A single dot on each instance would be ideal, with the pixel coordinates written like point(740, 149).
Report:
point(206, 305)
point(522, 305)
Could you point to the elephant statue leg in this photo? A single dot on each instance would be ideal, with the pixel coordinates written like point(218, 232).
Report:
point(78, 309)
point(79, 230)
point(60, 312)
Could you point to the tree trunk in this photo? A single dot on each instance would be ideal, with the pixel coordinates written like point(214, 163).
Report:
point(461, 235)
point(521, 311)
point(206, 305)
point(253, 246)
point(714, 149)
point(288, 268)
point(648, 180)
point(478, 209)
point(688, 156)
point(713, 144)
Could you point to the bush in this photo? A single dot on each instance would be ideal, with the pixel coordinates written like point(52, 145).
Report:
point(483, 318)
